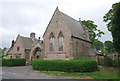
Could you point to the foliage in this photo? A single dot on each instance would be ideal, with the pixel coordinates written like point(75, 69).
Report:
point(105, 48)
point(83, 65)
point(109, 16)
point(108, 62)
point(94, 33)
point(108, 45)
point(116, 26)
point(1, 53)
point(14, 62)
point(98, 45)
point(113, 25)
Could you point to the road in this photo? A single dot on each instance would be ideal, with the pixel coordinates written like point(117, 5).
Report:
point(22, 72)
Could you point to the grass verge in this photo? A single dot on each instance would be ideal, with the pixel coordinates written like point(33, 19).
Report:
point(107, 74)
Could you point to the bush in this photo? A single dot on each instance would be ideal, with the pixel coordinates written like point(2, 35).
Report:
point(84, 65)
point(115, 63)
point(108, 62)
point(14, 62)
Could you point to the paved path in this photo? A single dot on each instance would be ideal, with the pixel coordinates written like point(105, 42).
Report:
point(22, 72)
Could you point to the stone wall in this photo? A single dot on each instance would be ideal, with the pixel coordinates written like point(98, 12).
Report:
point(56, 27)
point(21, 49)
point(80, 48)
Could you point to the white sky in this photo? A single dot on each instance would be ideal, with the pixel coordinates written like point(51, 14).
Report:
point(25, 16)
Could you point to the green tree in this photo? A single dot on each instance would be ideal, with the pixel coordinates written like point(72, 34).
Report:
point(116, 27)
point(94, 33)
point(98, 45)
point(108, 45)
point(1, 53)
point(107, 18)
point(113, 24)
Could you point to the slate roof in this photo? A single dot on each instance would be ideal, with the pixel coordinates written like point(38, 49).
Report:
point(27, 42)
point(74, 26)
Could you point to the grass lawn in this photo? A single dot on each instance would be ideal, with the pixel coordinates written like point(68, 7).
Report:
point(104, 74)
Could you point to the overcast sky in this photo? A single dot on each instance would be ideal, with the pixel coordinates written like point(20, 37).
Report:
point(25, 16)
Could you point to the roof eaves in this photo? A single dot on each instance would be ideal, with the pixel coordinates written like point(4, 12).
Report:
point(81, 39)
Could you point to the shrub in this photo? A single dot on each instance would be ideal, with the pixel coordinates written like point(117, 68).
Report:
point(14, 62)
point(108, 62)
point(84, 65)
point(115, 63)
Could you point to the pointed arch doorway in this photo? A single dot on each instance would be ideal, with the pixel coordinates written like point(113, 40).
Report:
point(36, 53)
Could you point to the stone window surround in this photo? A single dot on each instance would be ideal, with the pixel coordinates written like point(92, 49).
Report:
point(52, 36)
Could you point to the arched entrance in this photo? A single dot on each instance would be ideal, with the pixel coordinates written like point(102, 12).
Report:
point(36, 53)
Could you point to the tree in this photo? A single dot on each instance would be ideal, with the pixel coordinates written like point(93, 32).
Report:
point(108, 45)
point(113, 25)
point(98, 45)
point(1, 53)
point(94, 33)
point(115, 30)
point(107, 18)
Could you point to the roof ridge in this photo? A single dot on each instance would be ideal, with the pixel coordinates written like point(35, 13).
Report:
point(25, 37)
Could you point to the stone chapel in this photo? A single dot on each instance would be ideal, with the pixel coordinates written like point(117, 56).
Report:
point(64, 38)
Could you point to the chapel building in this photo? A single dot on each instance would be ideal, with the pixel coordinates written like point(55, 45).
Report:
point(64, 38)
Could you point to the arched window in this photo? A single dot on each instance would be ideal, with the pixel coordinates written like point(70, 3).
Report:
point(61, 41)
point(52, 42)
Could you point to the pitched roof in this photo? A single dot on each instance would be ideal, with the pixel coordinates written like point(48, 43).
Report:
point(27, 42)
point(76, 28)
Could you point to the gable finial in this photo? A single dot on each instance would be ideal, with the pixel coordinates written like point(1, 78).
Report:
point(57, 8)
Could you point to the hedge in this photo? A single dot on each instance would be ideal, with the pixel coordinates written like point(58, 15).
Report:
point(14, 62)
point(83, 65)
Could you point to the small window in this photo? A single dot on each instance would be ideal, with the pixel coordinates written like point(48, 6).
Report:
point(18, 48)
